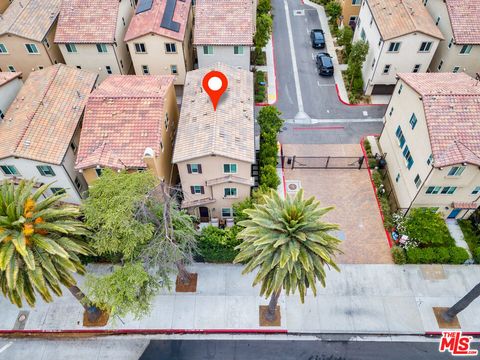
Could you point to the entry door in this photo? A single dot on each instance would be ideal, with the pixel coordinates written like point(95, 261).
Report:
point(204, 216)
point(454, 213)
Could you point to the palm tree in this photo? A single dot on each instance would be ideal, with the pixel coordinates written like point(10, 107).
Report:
point(290, 245)
point(39, 244)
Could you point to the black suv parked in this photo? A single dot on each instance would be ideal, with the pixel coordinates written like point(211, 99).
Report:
point(324, 64)
point(318, 38)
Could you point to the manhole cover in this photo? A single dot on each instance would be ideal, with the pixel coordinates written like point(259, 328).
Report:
point(292, 187)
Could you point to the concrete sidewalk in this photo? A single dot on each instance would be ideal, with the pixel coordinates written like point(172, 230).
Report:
point(362, 299)
point(271, 73)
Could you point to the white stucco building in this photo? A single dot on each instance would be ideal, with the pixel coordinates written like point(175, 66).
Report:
point(91, 33)
point(40, 133)
point(223, 32)
point(431, 139)
point(402, 37)
point(459, 22)
point(10, 84)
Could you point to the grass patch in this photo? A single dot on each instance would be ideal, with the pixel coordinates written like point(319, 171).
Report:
point(261, 84)
point(471, 238)
point(355, 97)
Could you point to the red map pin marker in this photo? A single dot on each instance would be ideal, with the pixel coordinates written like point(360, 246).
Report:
point(215, 83)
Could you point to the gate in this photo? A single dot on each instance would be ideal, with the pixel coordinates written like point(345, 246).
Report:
point(325, 162)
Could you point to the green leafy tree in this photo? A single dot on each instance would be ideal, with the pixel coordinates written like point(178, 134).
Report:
point(334, 11)
point(345, 36)
point(126, 285)
point(269, 119)
point(289, 243)
point(40, 241)
point(428, 228)
point(264, 7)
point(269, 176)
point(356, 58)
point(264, 30)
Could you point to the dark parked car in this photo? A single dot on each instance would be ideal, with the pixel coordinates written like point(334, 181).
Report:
point(318, 38)
point(324, 64)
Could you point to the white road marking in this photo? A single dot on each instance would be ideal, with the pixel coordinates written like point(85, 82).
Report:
point(307, 31)
point(324, 85)
point(339, 121)
point(365, 113)
point(294, 60)
point(5, 347)
point(306, 20)
point(313, 56)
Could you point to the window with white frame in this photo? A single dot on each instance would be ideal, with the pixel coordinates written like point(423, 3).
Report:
point(230, 192)
point(400, 88)
point(425, 46)
point(230, 168)
point(9, 170)
point(465, 50)
point(11, 68)
point(58, 190)
point(450, 43)
point(140, 48)
point(437, 21)
point(31, 48)
point(45, 170)
point(2, 115)
point(197, 189)
point(166, 121)
point(413, 121)
point(430, 159)
point(408, 157)
point(109, 69)
point(194, 168)
point(227, 212)
point(71, 48)
point(433, 190)
point(440, 65)
point(416, 68)
point(145, 70)
point(448, 190)
point(238, 50)
point(386, 69)
point(356, 2)
point(394, 46)
point(456, 170)
point(400, 137)
point(173, 69)
point(102, 48)
point(417, 181)
point(476, 190)
point(3, 49)
point(456, 69)
point(170, 48)
point(207, 50)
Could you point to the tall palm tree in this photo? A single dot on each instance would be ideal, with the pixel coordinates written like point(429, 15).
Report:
point(289, 243)
point(39, 244)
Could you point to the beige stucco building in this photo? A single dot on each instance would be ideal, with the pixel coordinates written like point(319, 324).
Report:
point(350, 11)
point(459, 21)
point(4, 4)
point(431, 139)
point(160, 39)
point(27, 32)
point(231, 39)
point(130, 124)
point(402, 37)
point(90, 35)
point(214, 150)
point(40, 132)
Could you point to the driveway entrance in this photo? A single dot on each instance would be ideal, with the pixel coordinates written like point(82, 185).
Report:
point(350, 191)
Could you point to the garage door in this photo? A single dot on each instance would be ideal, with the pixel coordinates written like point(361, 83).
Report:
point(383, 89)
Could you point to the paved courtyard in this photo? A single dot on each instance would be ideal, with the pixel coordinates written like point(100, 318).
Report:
point(350, 191)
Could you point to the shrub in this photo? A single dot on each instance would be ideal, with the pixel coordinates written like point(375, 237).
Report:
point(398, 255)
point(367, 146)
point(437, 255)
point(458, 255)
point(217, 245)
point(428, 227)
point(264, 7)
point(345, 36)
point(476, 255)
point(269, 176)
point(377, 178)
point(472, 239)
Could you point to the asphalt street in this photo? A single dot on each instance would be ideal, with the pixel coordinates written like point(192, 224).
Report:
point(318, 97)
point(291, 350)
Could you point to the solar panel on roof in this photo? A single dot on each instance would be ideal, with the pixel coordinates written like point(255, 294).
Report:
point(144, 5)
point(167, 20)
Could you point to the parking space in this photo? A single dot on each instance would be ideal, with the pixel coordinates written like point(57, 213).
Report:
point(350, 191)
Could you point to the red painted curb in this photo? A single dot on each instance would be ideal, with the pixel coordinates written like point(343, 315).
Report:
point(348, 104)
point(275, 72)
point(145, 331)
point(389, 238)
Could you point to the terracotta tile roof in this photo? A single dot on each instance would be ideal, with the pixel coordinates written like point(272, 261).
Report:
point(395, 18)
point(30, 19)
point(226, 132)
point(87, 21)
point(6, 77)
point(465, 205)
point(223, 22)
point(40, 123)
point(465, 19)
point(148, 22)
point(123, 117)
point(452, 109)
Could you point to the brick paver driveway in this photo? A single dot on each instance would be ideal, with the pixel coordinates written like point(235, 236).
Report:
point(350, 191)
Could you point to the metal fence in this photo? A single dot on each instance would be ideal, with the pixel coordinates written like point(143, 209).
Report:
point(325, 162)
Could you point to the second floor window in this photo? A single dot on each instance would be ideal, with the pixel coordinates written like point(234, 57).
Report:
point(230, 168)
point(238, 50)
point(71, 48)
point(476, 190)
point(386, 69)
point(413, 121)
point(9, 170)
point(101, 48)
point(145, 70)
point(449, 190)
point(394, 47)
point(230, 192)
point(416, 68)
point(400, 136)
point(425, 46)
point(45, 170)
point(3, 49)
point(433, 190)
point(109, 69)
point(456, 171)
point(418, 181)
point(173, 69)
point(408, 157)
point(465, 50)
point(31, 48)
point(170, 48)
point(356, 2)
point(197, 189)
point(194, 168)
point(208, 50)
point(140, 48)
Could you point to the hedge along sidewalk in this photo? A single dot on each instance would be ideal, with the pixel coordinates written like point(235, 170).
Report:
point(372, 299)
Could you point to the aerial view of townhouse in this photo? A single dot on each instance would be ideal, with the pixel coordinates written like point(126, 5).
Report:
point(239, 179)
